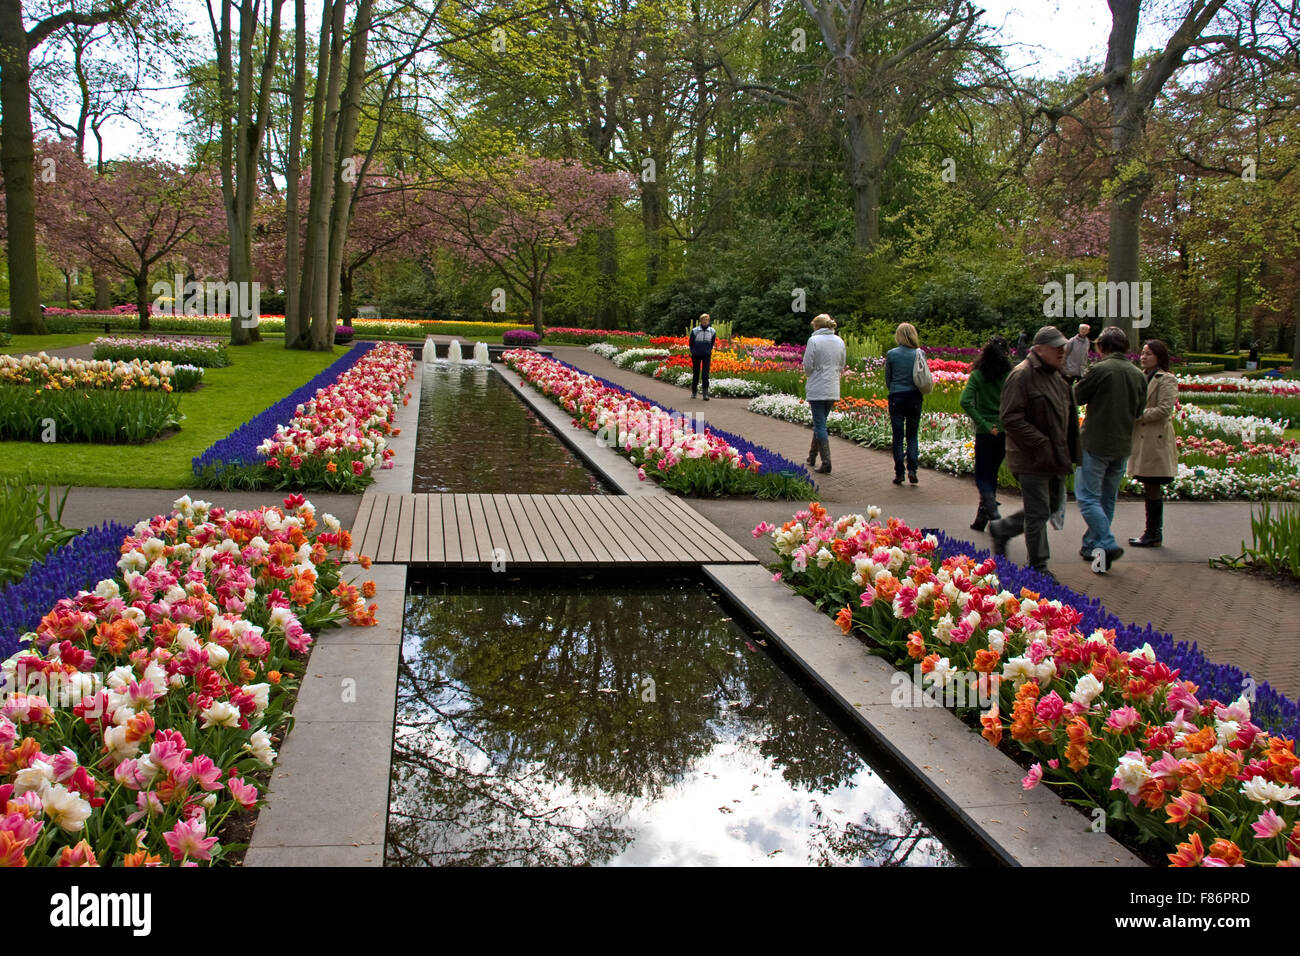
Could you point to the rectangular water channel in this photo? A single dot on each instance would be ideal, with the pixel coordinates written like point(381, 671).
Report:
point(475, 435)
point(598, 720)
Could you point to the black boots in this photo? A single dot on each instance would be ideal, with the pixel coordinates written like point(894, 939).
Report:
point(825, 447)
point(988, 511)
point(1152, 537)
point(812, 452)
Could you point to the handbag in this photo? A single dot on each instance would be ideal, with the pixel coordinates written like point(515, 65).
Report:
point(921, 376)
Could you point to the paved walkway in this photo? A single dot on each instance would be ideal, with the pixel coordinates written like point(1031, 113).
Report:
point(1234, 618)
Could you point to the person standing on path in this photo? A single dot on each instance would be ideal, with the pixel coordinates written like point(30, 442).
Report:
point(1076, 354)
point(701, 341)
point(823, 364)
point(1042, 429)
point(981, 400)
point(1155, 452)
point(1115, 393)
point(905, 400)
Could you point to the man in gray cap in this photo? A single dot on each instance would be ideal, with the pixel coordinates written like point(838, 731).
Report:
point(1042, 429)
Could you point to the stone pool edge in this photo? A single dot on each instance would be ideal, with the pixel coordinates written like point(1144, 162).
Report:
point(337, 758)
point(981, 791)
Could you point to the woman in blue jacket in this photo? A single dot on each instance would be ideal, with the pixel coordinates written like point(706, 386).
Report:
point(904, 400)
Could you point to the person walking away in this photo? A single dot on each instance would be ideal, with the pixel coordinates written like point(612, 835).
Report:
point(980, 400)
point(905, 400)
point(701, 341)
point(1155, 452)
point(1076, 354)
point(1042, 430)
point(1115, 393)
point(823, 364)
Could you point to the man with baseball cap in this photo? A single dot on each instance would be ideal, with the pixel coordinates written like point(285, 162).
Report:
point(1042, 429)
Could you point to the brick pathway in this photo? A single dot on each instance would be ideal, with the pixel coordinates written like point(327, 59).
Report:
point(1234, 618)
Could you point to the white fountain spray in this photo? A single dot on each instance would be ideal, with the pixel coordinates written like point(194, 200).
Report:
point(453, 352)
point(430, 350)
point(481, 354)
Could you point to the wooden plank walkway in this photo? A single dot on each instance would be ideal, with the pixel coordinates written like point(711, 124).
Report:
point(467, 530)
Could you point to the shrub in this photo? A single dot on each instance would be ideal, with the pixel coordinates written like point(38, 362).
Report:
point(343, 334)
point(525, 337)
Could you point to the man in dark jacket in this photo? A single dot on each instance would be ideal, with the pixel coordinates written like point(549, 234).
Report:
point(701, 341)
point(1115, 393)
point(1042, 429)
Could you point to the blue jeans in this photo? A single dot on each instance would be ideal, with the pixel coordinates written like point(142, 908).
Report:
point(821, 407)
point(1096, 486)
point(905, 417)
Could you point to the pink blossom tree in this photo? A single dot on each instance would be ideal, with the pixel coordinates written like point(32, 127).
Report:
point(137, 215)
point(518, 214)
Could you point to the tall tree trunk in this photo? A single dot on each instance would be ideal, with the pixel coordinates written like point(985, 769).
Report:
point(345, 183)
point(18, 161)
point(293, 328)
point(241, 137)
point(607, 263)
point(142, 300)
point(1236, 314)
point(317, 277)
point(345, 296)
point(535, 307)
point(1129, 98)
point(103, 290)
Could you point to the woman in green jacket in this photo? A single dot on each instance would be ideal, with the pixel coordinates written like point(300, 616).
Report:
point(980, 400)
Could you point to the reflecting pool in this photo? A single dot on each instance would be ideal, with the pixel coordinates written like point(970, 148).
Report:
point(475, 435)
point(612, 723)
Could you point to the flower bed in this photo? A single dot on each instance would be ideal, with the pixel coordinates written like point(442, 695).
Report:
point(86, 559)
point(101, 415)
point(1110, 723)
point(328, 434)
point(683, 454)
point(140, 709)
point(55, 374)
point(520, 337)
point(204, 353)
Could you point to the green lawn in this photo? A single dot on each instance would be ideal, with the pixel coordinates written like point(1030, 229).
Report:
point(260, 375)
point(43, 343)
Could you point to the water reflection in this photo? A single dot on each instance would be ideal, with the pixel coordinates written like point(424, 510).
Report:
point(571, 724)
point(475, 435)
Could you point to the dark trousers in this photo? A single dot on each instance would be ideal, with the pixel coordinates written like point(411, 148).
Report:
point(905, 418)
point(990, 450)
point(699, 365)
point(1041, 492)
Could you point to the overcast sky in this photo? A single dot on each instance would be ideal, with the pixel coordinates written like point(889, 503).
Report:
point(1042, 37)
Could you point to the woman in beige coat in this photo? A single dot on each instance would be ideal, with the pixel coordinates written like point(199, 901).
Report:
point(1154, 460)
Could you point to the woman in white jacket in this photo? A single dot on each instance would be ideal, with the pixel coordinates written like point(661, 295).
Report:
point(823, 363)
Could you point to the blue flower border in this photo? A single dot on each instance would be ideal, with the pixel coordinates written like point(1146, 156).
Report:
point(1271, 710)
point(77, 566)
point(239, 448)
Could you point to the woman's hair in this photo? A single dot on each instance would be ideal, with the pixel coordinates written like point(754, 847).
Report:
point(823, 321)
point(906, 335)
point(1160, 351)
point(992, 361)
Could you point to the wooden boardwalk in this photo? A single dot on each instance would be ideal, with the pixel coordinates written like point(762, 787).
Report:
point(538, 530)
